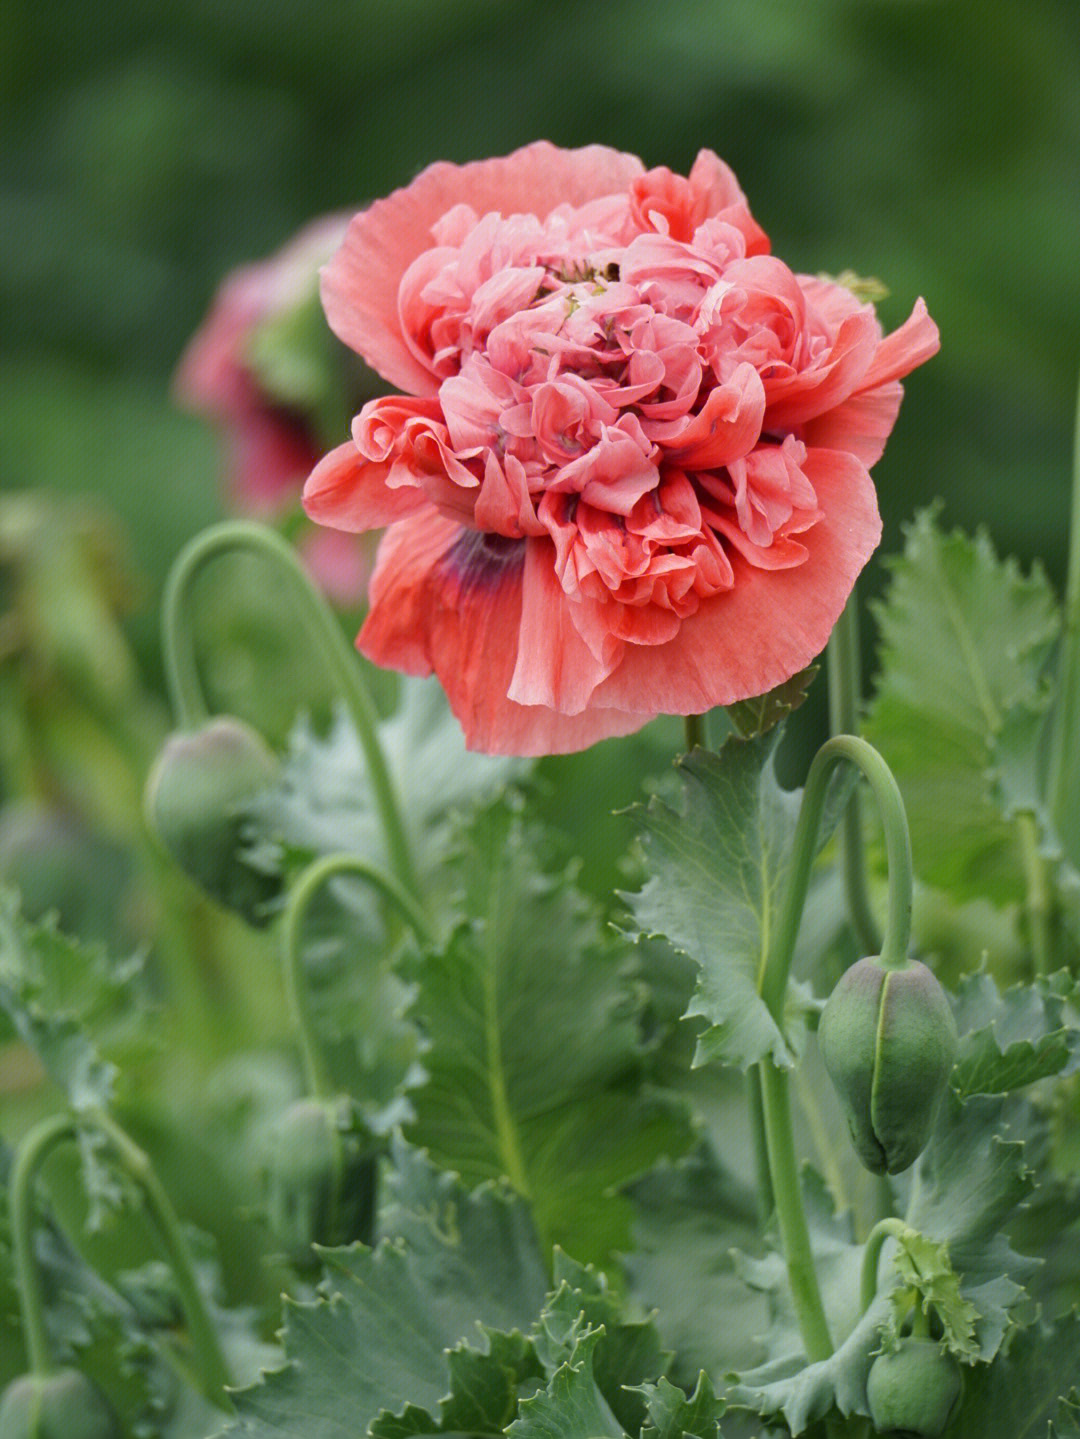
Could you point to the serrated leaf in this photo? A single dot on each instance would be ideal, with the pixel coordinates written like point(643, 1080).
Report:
point(753, 717)
point(969, 1183)
point(718, 868)
point(572, 1406)
point(1024, 1394)
point(376, 1340)
point(965, 641)
point(1013, 1038)
point(70, 1003)
point(324, 803)
point(536, 1066)
point(688, 1217)
point(928, 1283)
point(671, 1415)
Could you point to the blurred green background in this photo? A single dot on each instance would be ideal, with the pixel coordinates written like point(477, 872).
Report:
point(148, 148)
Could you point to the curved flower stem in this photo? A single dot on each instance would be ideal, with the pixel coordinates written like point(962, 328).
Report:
point(1063, 791)
point(206, 1347)
point(301, 895)
point(875, 1241)
point(185, 686)
point(894, 946)
point(773, 988)
point(845, 696)
point(34, 1149)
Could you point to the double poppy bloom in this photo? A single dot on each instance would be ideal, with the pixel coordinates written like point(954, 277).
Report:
point(627, 472)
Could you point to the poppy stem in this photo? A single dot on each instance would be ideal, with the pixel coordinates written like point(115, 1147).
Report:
point(694, 729)
point(774, 1081)
point(185, 685)
point(845, 700)
point(311, 880)
point(32, 1153)
point(1063, 791)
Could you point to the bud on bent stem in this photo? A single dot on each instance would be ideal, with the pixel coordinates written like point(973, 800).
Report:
point(888, 1039)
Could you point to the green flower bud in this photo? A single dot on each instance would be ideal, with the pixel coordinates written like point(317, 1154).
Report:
point(194, 801)
point(888, 1039)
point(63, 1405)
point(320, 1180)
point(914, 1390)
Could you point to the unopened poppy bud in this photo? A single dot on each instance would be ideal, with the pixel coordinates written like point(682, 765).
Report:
point(914, 1389)
point(888, 1039)
point(195, 796)
point(320, 1181)
point(63, 1405)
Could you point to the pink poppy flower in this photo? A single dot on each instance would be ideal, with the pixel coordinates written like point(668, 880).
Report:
point(628, 472)
point(271, 439)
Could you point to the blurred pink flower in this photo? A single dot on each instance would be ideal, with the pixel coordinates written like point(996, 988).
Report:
point(628, 475)
point(271, 442)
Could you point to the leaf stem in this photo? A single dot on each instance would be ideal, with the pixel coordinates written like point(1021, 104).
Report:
point(32, 1152)
point(845, 698)
point(212, 1368)
point(694, 730)
point(875, 1240)
point(1063, 791)
point(311, 880)
point(185, 686)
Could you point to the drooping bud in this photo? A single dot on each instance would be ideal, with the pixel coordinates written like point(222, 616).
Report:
point(888, 1039)
point(320, 1180)
point(195, 796)
point(63, 1405)
point(914, 1389)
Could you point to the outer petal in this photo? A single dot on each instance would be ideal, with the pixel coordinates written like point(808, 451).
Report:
point(347, 492)
point(360, 285)
point(438, 603)
point(772, 623)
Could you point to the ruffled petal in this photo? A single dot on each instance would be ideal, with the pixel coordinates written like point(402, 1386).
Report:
point(449, 600)
point(771, 623)
point(360, 285)
point(347, 492)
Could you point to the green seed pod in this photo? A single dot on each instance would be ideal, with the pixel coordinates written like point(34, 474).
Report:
point(320, 1180)
point(194, 801)
point(63, 1405)
point(914, 1390)
point(888, 1039)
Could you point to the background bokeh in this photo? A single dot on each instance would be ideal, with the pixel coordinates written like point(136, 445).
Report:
point(145, 149)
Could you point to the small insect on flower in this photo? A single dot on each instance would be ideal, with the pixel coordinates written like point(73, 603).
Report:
point(628, 472)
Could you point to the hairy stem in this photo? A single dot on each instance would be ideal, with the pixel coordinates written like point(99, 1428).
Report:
point(185, 686)
point(206, 1347)
point(845, 698)
point(31, 1155)
point(301, 895)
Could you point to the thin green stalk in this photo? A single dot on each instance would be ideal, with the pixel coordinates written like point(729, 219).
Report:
point(774, 981)
point(311, 880)
point(185, 685)
point(1064, 777)
point(210, 1361)
point(1039, 902)
point(34, 1149)
point(694, 729)
point(897, 935)
point(875, 1240)
point(845, 699)
point(798, 1252)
